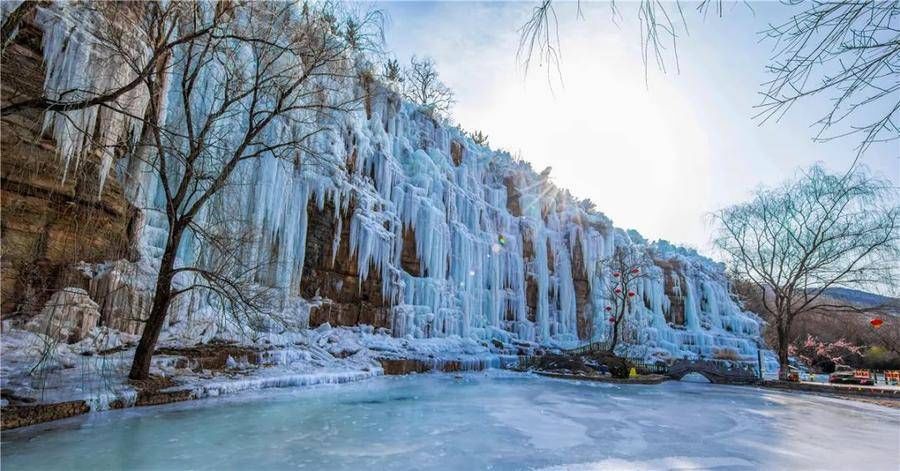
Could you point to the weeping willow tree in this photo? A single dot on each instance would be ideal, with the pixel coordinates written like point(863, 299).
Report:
point(820, 231)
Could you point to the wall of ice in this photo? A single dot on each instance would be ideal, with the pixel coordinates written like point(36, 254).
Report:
point(503, 253)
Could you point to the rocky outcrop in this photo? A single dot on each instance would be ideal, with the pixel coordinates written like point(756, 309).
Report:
point(409, 258)
point(513, 197)
point(123, 303)
point(457, 151)
point(583, 304)
point(405, 366)
point(68, 316)
point(672, 285)
point(348, 300)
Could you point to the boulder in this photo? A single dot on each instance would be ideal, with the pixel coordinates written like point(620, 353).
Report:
point(68, 316)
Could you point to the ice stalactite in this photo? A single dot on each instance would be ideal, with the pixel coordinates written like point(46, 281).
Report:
point(77, 68)
point(691, 306)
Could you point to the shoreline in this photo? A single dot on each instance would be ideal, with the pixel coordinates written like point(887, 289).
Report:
point(79, 381)
point(865, 394)
point(26, 415)
point(161, 391)
point(20, 416)
point(76, 381)
point(642, 379)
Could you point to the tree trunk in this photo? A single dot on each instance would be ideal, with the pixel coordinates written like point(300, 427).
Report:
point(783, 364)
point(615, 337)
point(140, 367)
point(615, 334)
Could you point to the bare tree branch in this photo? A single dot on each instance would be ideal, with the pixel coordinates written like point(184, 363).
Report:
point(423, 86)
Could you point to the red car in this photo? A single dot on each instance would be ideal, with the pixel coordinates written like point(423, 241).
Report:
point(843, 374)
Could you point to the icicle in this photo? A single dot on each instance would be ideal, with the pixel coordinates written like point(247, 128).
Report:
point(73, 64)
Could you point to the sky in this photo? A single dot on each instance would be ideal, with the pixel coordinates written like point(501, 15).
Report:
point(655, 156)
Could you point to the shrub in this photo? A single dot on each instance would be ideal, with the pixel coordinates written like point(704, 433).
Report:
point(878, 358)
point(565, 363)
point(479, 138)
point(618, 366)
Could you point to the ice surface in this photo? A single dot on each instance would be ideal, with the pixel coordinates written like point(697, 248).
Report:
point(475, 421)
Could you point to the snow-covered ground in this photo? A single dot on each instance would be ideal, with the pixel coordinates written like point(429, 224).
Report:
point(495, 420)
point(95, 369)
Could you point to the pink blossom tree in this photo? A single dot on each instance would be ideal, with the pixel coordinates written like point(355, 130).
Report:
point(820, 354)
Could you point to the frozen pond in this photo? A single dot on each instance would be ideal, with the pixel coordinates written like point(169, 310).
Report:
point(477, 421)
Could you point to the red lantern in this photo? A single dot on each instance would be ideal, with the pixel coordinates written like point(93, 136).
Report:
point(612, 319)
point(876, 323)
point(608, 308)
point(635, 271)
point(618, 290)
point(631, 294)
point(616, 274)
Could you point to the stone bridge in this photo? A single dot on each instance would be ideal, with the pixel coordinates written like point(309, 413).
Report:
point(718, 372)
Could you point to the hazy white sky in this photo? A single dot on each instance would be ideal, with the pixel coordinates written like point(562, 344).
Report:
point(657, 159)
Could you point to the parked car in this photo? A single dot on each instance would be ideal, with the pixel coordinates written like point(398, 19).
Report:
point(843, 374)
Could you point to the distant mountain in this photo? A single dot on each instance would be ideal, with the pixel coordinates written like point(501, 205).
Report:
point(864, 299)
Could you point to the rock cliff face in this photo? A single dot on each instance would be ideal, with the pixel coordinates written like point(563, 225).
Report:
point(402, 222)
point(349, 300)
point(51, 218)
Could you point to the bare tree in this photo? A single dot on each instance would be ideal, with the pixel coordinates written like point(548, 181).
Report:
point(847, 51)
point(539, 38)
point(627, 266)
point(820, 231)
point(424, 87)
point(587, 205)
point(842, 318)
point(257, 85)
point(228, 83)
point(364, 31)
point(661, 25)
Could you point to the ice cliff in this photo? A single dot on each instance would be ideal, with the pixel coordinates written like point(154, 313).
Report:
point(400, 221)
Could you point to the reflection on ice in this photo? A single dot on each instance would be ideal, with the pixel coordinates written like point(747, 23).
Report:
point(672, 462)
